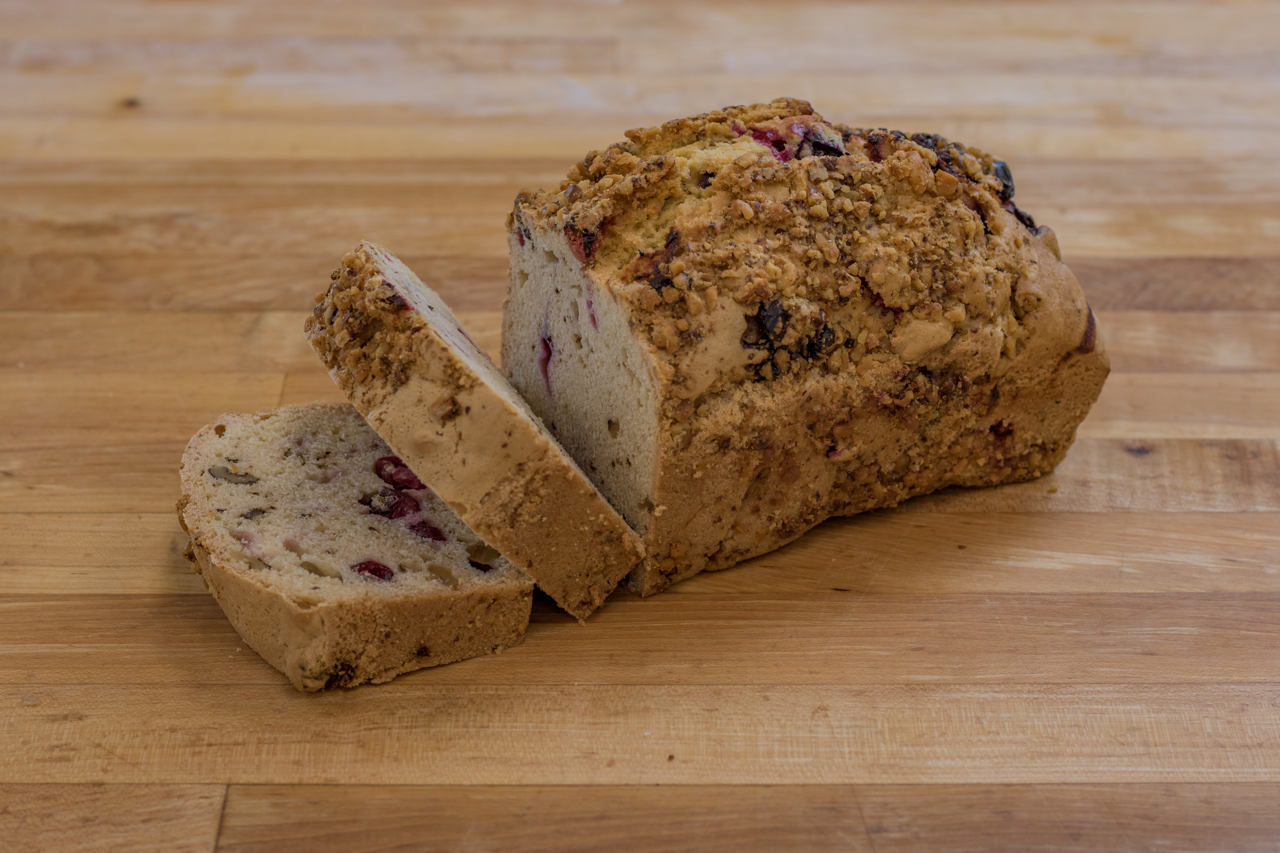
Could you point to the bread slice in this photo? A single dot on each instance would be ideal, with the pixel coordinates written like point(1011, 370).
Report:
point(331, 559)
point(400, 355)
point(744, 322)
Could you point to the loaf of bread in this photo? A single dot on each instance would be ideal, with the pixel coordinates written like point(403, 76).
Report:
point(332, 560)
point(401, 357)
point(747, 321)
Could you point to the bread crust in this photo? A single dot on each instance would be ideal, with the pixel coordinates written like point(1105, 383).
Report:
point(834, 319)
point(479, 448)
point(344, 644)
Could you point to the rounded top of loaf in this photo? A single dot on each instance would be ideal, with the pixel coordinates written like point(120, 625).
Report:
point(906, 249)
point(613, 196)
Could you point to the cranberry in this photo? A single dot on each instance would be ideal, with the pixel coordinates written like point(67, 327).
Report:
point(821, 343)
point(390, 503)
point(427, 530)
point(393, 472)
point(583, 244)
point(821, 142)
point(775, 141)
point(1025, 218)
point(1090, 340)
point(878, 146)
point(374, 569)
point(773, 319)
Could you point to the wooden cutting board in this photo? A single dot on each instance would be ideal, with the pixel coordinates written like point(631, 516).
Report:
point(1087, 662)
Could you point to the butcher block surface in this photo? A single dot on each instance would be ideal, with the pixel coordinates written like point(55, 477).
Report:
point(1087, 662)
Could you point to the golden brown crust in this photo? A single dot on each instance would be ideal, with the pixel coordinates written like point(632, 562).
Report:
point(345, 645)
point(895, 324)
point(451, 416)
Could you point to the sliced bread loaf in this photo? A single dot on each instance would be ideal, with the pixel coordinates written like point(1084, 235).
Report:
point(332, 560)
point(743, 322)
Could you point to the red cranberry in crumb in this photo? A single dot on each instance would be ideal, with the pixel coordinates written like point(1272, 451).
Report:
point(390, 503)
point(775, 141)
point(374, 569)
point(405, 505)
point(393, 472)
point(427, 530)
point(582, 243)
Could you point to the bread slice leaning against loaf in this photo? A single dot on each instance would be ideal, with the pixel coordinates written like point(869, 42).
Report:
point(400, 355)
point(331, 559)
point(746, 321)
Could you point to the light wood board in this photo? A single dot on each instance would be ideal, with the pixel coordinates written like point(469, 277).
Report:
point(1087, 662)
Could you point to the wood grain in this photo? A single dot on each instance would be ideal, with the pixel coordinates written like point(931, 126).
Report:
point(1179, 284)
point(206, 281)
point(196, 344)
point(1185, 405)
point(840, 637)
point(43, 818)
point(532, 818)
point(1072, 817)
point(1085, 662)
point(882, 818)
point(411, 732)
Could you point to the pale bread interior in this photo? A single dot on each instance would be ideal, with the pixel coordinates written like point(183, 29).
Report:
point(294, 493)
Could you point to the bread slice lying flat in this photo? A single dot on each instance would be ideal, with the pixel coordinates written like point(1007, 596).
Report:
point(399, 354)
point(743, 322)
point(332, 560)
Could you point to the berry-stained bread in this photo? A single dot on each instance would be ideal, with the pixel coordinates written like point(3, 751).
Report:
point(399, 354)
point(744, 322)
point(332, 560)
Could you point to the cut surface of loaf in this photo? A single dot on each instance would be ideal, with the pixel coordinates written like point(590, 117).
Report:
point(331, 559)
point(400, 355)
point(746, 321)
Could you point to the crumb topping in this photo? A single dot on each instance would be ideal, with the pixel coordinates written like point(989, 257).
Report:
point(847, 249)
point(365, 324)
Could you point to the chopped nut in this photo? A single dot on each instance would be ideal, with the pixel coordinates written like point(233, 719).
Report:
point(321, 568)
point(946, 183)
point(830, 251)
point(222, 472)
